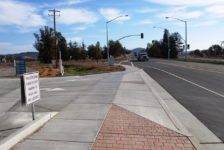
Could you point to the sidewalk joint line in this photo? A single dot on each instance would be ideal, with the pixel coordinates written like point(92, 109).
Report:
point(137, 105)
point(77, 119)
point(144, 134)
point(60, 141)
point(93, 103)
point(212, 143)
point(11, 129)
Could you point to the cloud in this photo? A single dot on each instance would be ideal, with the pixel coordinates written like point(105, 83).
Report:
point(81, 28)
point(181, 12)
point(20, 15)
point(10, 48)
point(146, 10)
point(144, 22)
point(186, 2)
point(205, 23)
point(111, 13)
point(69, 16)
point(69, 2)
point(74, 39)
point(216, 9)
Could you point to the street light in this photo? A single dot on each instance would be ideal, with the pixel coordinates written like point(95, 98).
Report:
point(168, 38)
point(185, 22)
point(108, 57)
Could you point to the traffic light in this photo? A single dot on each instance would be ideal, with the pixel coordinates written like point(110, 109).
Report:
point(188, 46)
point(142, 35)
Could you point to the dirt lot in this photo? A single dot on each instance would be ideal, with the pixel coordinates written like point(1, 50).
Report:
point(71, 68)
point(89, 67)
point(7, 70)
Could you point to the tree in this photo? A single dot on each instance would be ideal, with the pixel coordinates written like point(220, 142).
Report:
point(165, 43)
point(205, 53)
point(154, 49)
point(104, 52)
point(197, 52)
point(83, 53)
point(77, 51)
point(45, 44)
point(175, 44)
point(215, 50)
point(160, 48)
point(95, 51)
point(116, 49)
point(98, 52)
point(62, 46)
point(74, 50)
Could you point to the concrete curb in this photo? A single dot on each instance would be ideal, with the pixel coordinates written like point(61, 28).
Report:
point(27, 130)
point(176, 122)
point(149, 81)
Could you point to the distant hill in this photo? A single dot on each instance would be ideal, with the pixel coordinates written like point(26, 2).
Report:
point(24, 55)
point(137, 50)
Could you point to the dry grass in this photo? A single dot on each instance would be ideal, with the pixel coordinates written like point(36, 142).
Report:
point(90, 67)
point(121, 58)
point(48, 72)
point(75, 68)
point(6, 65)
point(45, 70)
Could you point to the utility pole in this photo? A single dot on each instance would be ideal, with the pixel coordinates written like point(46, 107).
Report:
point(53, 13)
point(168, 44)
point(186, 45)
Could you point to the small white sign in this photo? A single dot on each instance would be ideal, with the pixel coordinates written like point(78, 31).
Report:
point(31, 87)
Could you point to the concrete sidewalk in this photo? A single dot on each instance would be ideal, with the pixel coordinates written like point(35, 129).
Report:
point(77, 125)
point(138, 119)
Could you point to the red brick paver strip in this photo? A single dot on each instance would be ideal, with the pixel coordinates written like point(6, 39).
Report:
point(124, 130)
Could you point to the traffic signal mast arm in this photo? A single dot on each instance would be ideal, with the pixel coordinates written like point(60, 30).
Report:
point(141, 35)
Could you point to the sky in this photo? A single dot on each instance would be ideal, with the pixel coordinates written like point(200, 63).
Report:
point(85, 21)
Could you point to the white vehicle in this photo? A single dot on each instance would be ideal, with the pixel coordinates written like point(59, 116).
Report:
point(139, 54)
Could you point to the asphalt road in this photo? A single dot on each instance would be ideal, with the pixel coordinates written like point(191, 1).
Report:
point(198, 87)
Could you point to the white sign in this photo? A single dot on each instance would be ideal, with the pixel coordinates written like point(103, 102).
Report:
point(31, 87)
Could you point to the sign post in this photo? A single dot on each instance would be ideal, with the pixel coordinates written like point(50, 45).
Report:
point(33, 111)
point(30, 90)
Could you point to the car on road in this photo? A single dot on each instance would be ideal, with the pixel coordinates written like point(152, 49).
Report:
point(143, 56)
point(139, 54)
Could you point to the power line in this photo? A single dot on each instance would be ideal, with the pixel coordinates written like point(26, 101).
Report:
point(55, 13)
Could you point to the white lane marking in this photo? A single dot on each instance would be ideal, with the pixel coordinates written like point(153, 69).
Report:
point(216, 93)
point(52, 89)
